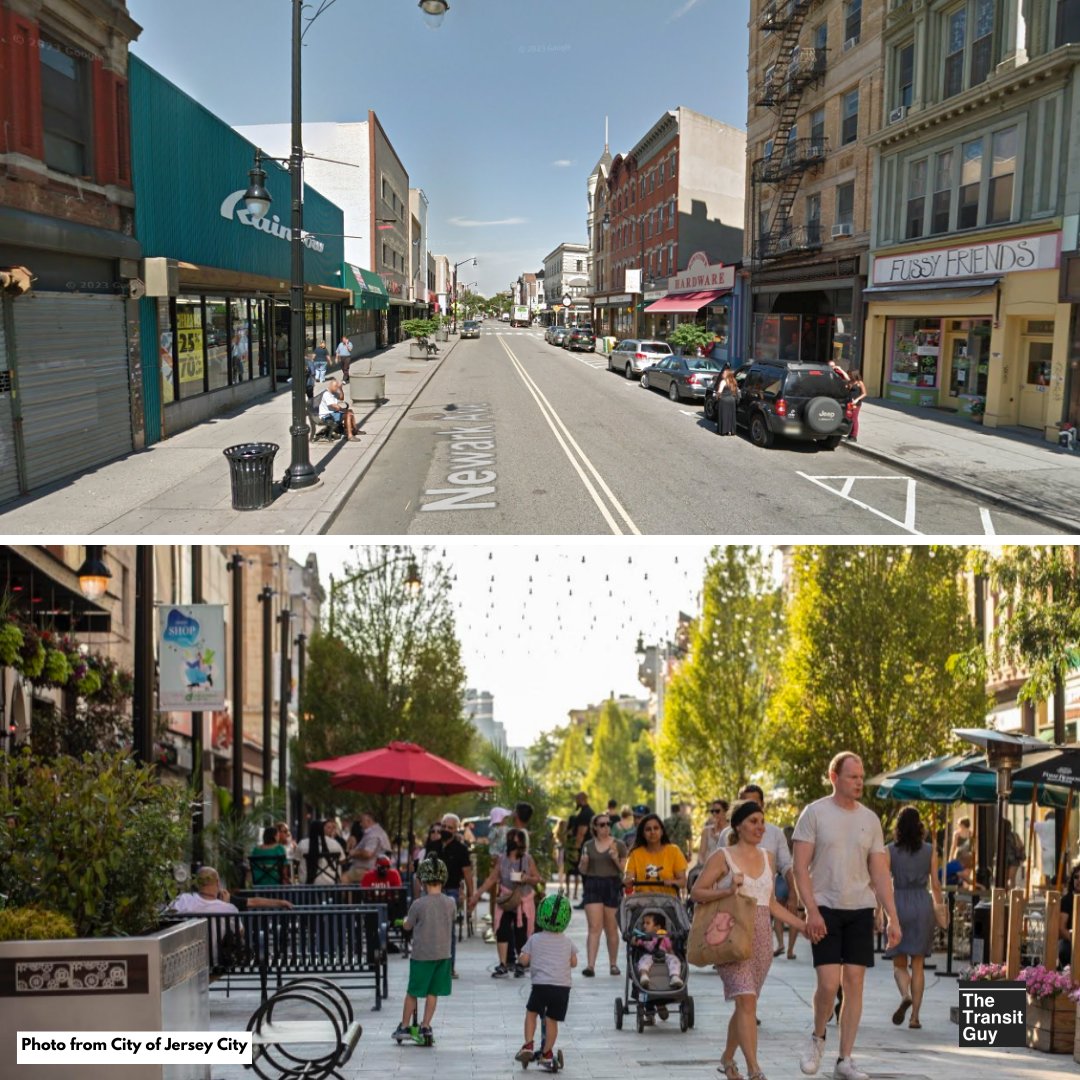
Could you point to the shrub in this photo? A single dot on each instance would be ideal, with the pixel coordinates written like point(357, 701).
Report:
point(688, 337)
point(34, 924)
point(94, 838)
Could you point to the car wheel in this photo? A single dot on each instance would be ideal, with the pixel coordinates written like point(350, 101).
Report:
point(673, 390)
point(629, 370)
point(710, 408)
point(824, 415)
point(832, 442)
point(760, 435)
point(644, 380)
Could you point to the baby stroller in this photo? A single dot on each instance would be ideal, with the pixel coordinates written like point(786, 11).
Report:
point(659, 994)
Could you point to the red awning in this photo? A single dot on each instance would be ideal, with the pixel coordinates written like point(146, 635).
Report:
point(686, 302)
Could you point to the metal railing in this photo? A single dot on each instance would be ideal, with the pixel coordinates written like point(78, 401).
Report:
point(806, 66)
point(795, 239)
point(797, 156)
point(779, 13)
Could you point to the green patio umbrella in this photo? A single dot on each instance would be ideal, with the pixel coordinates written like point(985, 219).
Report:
point(905, 784)
point(960, 785)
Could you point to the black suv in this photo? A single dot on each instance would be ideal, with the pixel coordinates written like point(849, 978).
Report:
point(796, 400)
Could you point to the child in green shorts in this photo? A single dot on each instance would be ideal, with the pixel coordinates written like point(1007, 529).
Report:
point(431, 920)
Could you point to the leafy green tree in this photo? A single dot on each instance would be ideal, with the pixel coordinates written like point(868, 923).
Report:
point(875, 661)
point(612, 768)
point(389, 668)
point(564, 776)
point(713, 737)
point(517, 784)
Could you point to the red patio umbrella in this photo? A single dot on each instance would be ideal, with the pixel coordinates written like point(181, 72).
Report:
point(399, 769)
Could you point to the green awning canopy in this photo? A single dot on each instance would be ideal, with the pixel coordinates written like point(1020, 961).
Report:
point(369, 291)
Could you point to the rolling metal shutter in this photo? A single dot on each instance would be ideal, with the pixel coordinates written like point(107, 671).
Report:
point(73, 383)
point(9, 468)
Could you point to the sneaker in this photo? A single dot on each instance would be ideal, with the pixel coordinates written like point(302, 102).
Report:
point(519, 972)
point(453, 973)
point(810, 1061)
point(489, 937)
point(548, 1063)
point(525, 1054)
point(650, 1019)
point(676, 982)
point(643, 979)
point(500, 972)
point(846, 1069)
point(588, 973)
point(428, 1038)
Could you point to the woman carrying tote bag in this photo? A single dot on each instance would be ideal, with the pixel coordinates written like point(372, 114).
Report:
point(733, 874)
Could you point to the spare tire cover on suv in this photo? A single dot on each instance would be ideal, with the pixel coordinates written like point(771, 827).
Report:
point(824, 415)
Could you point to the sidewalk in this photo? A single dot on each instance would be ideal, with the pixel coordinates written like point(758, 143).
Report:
point(1007, 466)
point(181, 485)
point(478, 1029)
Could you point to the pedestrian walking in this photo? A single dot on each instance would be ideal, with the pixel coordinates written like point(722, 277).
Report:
point(858, 393)
point(727, 392)
point(322, 361)
point(624, 828)
point(431, 920)
point(680, 829)
point(744, 865)
point(577, 832)
point(654, 858)
point(602, 861)
point(550, 956)
point(712, 832)
point(444, 843)
point(842, 874)
point(344, 356)
point(913, 864)
point(512, 879)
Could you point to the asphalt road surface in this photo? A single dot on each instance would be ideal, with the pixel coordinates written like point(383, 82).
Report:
point(516, 436)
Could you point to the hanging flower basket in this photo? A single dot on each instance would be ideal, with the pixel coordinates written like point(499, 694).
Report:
point(11, 641)
point(56, 671)
point(1051, 1011)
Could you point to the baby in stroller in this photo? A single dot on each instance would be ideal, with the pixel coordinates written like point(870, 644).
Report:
point(648, 940)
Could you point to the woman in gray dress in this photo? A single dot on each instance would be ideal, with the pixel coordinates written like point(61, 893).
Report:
point(913, 864)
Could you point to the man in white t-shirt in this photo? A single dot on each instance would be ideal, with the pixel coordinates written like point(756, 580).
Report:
point(206, 900)
point(372, 844)
point(333, 404)
point(842, 874)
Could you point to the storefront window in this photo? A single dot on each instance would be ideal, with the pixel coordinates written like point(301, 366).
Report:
point(216, 333)
point(240, 338)
point(166, 351)
point(969, 357)
point(915, 351)
point(190, 345)
point(259, 353)
point(766, 337)
point(718, 323)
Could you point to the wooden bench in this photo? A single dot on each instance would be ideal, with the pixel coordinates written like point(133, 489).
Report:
point(288, 1045)
point(250, 947)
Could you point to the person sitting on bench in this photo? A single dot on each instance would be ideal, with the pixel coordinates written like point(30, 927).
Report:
point(333, 406)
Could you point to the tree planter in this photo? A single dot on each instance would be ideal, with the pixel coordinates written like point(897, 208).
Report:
point(1051, 1025)
point(155, 983)
point(1076, 1037)
point(368, 388)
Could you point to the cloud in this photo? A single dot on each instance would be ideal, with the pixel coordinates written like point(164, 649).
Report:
point(688, 6)
point(472, 223)
point(562, 163)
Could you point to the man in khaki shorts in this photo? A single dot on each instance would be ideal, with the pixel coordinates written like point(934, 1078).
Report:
point(842, 873)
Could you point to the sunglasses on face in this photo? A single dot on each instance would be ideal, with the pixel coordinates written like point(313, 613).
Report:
point(716, 810)
point(602, 824)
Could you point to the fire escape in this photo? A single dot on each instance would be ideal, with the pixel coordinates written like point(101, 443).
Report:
point(794, 70)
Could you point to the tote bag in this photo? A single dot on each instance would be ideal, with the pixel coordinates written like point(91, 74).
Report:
point(723, 930)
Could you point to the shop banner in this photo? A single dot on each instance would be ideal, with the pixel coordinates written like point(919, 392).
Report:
point(701, 275)
point(191, 657)
point(1040, 252)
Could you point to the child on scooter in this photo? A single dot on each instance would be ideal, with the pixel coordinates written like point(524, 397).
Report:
point(431, 920)
point(549, 955)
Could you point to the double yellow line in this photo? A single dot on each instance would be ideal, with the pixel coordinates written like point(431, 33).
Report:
point(606, 502)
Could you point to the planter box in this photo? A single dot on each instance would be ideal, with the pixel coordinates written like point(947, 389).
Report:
point(368, 388)
point(155, 983)
point(1076, 1039)
point(1051, 1025)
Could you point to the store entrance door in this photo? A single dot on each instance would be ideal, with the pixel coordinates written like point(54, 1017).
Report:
point(1038, 356)
point(967, 360)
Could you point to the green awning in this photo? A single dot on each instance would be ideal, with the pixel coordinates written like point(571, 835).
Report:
point(369, 291)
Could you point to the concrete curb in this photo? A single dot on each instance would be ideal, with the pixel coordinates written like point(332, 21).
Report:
point(328, 515)
point(1066, 525)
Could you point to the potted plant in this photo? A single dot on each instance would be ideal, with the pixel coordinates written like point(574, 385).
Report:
point(687, 338)
point(976, 410)
point(1051, 1011)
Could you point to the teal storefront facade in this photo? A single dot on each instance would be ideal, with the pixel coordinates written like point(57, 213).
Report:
point(214, 322)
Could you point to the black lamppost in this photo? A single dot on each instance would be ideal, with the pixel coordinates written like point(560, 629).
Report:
point(471, 259)
point(639, 315)
point(266, 598)
point(235, 566)
point(284, 695)
point(301, 474)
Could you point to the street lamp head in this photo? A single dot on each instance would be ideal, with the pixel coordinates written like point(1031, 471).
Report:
point(412, 578)
point(639, 648)
point(434, 11)
point(257, 198)
point(94, 575)
point(607, 221)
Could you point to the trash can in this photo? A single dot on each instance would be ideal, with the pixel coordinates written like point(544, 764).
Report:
point(251, 470)
point(442, 335)
point(980, 933)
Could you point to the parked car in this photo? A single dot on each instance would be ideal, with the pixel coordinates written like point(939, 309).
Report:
point(550, 331)
point(797, 400)
point(681, 376)
point(581, 338)
point(632, 356)
point(559, 335)
point(470, 328)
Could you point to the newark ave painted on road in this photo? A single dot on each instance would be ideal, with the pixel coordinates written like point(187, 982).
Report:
point(472, 461)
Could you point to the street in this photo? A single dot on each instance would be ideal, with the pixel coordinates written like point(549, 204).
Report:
point(515, 436)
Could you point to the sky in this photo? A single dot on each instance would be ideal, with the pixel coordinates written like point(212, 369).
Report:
point(498, 115)
point(566, 643)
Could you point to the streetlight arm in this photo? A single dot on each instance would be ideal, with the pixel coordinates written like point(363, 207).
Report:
point(412, 580)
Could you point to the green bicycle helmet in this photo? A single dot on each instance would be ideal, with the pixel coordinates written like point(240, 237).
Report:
point(432, 869)
point(554, 913)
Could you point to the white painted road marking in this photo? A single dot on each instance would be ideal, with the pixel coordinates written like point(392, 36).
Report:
point(472, 460)
point(555, 422)
point(987, 524)
point(908, 524)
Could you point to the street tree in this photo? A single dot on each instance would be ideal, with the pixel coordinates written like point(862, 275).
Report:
point(565, 773)
point(388, 668)
point(712, 740)
point(613, 767)
point(875, 662)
